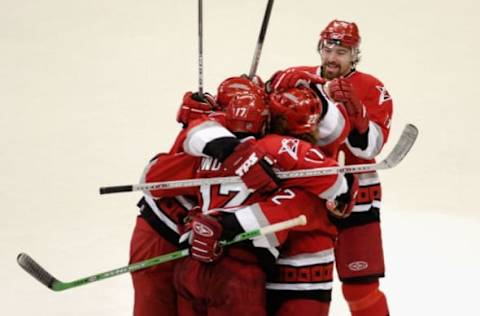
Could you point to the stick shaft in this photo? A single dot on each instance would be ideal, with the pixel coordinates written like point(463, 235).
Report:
point(403, 146)
point(200, 47)
point(261, 38)
point(43, 276)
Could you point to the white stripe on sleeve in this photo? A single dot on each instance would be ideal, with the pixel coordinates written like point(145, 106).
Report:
point(199, 136)
point(250, 218)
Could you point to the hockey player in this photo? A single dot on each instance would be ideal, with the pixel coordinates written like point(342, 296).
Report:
point(359, 251)
point(302, 281)
point(156, 230)
point(291, 153)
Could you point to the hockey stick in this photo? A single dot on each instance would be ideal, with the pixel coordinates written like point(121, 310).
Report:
point(44, 277)
point(200, 48)
point(261, 38)
point(401, 149)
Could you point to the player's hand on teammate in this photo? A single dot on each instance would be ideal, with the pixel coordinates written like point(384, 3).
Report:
point(204, 240)
point(292, 78)
point(254, 166)
point(342, 205)
point(342, 91)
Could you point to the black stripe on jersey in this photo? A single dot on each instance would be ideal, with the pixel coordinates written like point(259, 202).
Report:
point(265, 258)
point(357, 218)
point(369, 193)
point(231, 226)
point(245, 251)
point(275, 298)
point(363, 279)
point(313, 273)
point(160, 227)
point(358, 140)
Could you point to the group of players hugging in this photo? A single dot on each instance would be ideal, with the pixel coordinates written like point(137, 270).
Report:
point(301, 118)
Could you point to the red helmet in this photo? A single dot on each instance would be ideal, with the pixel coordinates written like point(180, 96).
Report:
point(246, 113)
point(300, 107)
point(191, 108)
point(342, 33)
point(238, 85)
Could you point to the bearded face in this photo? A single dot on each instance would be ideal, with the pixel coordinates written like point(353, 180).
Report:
point(337, 60)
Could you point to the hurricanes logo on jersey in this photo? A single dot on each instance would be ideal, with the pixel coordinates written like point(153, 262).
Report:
point(290, 146)
point(384, 95)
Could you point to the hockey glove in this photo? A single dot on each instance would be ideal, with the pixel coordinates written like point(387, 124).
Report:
point(254, 166)
point(185, 224)
point(194, 106)
point(342, 91)
point(342, 205)
point(205, 237)
point(292, 78)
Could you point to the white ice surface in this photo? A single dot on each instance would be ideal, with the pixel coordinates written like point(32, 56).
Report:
point(432, 262)
point(89, 92)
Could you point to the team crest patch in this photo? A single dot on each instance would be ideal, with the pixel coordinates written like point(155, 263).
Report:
point(290, 146)
point(384, 95)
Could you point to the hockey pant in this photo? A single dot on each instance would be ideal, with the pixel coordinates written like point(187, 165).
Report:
point(359, 253)
point(359, 262)
point(227, 287)
point(153, 287)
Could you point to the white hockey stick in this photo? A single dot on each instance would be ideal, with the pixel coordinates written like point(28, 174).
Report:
point(401, 149)
point(47, 279)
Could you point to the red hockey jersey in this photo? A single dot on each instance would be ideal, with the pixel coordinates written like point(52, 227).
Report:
point(289, 154)
point(379, 106)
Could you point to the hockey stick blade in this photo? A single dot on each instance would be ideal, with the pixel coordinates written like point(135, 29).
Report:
point(35, 270)
point(401, 149)
point(44, 277)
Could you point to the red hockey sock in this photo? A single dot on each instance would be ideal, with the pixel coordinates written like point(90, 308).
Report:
point(365, 299)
